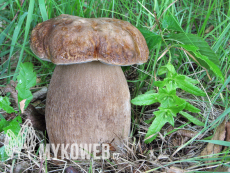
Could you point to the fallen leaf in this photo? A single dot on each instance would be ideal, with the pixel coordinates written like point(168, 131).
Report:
point(173, 169)
point(181, 136)
point(111, 148)
point(22, 105)
point(38, 80)
point(187, 133)
point(218, 135)
point(209, 29)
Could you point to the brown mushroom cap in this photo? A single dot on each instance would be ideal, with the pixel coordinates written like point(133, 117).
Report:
point(70, 39)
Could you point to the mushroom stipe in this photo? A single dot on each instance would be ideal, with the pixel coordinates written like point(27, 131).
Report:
point(88, 103)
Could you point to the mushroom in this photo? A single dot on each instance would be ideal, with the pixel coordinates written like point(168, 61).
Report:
point(88, 102)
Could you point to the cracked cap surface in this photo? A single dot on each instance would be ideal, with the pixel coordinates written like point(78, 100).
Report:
point(70, 39)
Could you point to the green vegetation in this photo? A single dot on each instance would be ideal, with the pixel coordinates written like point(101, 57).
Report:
point(25, 80)
point(189, 44)
point(171, 104)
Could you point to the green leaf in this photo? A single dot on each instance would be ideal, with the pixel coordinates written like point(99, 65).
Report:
point(167, 114)
point(3, 123)
point(170, 22)
point(170, 117)
point(166, 98)
point(151, 38)
point(162, 117)
point(167, 68)
point(204, 49)
point(189, 47)
point(177, 108)
point(215, 69)
point(187, 86)
point(145, 99)
point(150, 92)
point(5, 105)
point(191, 80)
point(159, 83)
point(191, 118)
point(174, 81)
point(191, 108)
point(3, 155)
point(170, 84)
point(149, 121)
point(164, 92)
point(198, 55)
point(162, 70)
point(26, 79)
point(14, 125)
point(167, 101)
point(155, 127)
point(179, 101)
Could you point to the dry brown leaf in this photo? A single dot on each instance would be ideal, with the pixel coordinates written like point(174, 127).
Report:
point(187, 133)
point(38, 80)
point(181, 136)
point(22, 105)
point(218, 135)
point(209, 29)
point(173, 169)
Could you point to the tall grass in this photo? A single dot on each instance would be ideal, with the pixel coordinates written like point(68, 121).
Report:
point(18, 18)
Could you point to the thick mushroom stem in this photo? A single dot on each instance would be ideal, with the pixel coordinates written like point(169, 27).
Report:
point(88, 103)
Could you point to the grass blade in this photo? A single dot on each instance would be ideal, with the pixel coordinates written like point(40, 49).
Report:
point(27, 29)
point(43, 10)
point(14, 39)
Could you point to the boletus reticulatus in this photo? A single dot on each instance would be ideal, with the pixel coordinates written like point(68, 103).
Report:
point(88, 99)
